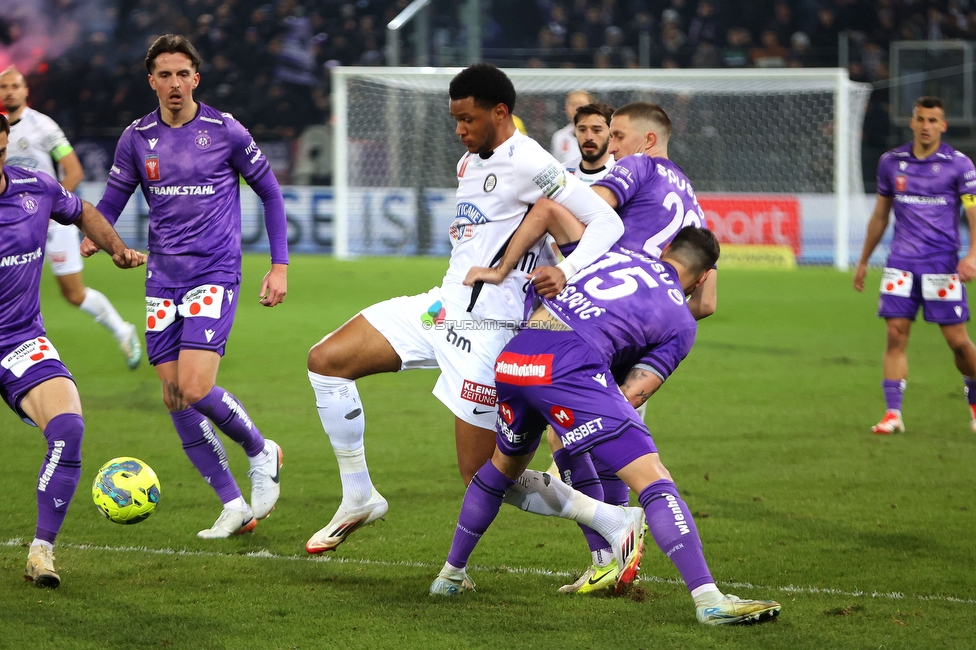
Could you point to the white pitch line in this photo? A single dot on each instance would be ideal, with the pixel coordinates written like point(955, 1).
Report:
point(790, 589)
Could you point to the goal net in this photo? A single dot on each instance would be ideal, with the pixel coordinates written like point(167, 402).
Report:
point(773, 154)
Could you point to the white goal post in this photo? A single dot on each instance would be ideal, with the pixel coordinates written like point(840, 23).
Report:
point(789, 135)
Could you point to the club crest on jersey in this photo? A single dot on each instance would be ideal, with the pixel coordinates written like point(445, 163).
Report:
point(936, 168)
point(901, 183)
point(490, 182)
point(23, 144)
point(29, 204)
point(202, 141)
point(152, 167)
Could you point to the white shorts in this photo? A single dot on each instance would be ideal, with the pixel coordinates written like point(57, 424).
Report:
point(428, 332)
point(63, 249)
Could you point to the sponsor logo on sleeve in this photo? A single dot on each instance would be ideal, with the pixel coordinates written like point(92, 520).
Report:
point(152, 167)
point(551, 180)
point(524, 370)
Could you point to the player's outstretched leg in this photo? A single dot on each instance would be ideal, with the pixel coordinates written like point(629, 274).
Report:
point(203, 448)
point(971, 398)
point(675, 533)
point(894, 390)
point(623, 527)
point(580, 473)
point(105, 314)
point(56, 485)
point(265, 455)
point(341, 412)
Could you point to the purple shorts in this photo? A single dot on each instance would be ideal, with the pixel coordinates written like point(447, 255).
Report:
point(188, 318)
point(544, 377)
point(14, 388)
point(933, 285)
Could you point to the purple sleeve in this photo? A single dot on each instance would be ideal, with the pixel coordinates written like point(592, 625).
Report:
point(112, 203)
point(274, 216)
point(665, 357)
point(65, 206)
point(884, 177)
point(623, 179)
point(246, 156)
point(966, 181)
point(122, 180)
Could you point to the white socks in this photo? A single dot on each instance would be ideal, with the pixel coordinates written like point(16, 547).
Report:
point(41, 542)
point(707, 595)
point(101, 309)
point(341, 413)
point(238, 504)
point(541, 494)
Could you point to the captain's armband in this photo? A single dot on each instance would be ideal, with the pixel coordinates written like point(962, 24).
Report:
point(968, 200)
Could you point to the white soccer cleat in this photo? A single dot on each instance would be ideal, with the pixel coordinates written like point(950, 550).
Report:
point(265, 481)
point(131, 348)
point(40, 567)
point(733, 610)
point(345, 521)
point(451, 582)
point(230, 522)
point(890, 423)
point(627, 542)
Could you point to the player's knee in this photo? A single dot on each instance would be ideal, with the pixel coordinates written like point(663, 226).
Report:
point(74, 295)
point(195, 390)
point(324, 360)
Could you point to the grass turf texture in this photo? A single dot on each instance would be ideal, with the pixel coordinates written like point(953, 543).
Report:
point(765, 428)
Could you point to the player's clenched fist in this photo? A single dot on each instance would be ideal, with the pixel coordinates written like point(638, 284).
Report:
point(129, 259)
point(548, 281)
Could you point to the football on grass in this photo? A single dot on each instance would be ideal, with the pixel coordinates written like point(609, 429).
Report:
point(126, 490)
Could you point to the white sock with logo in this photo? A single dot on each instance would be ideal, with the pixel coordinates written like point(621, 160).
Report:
point(101, 309)
point(341, 412)
point(541, 494)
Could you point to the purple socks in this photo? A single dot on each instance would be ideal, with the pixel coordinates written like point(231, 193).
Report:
point(203, 447)
point(59, 475)
point(226, 412)
point(670, 522)
point(482, 501)
point(894, 389)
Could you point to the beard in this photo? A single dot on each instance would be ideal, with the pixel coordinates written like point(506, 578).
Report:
point(593, 157)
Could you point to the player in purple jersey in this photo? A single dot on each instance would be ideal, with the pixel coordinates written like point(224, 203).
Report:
point(926, 182)
point(650, 193)
point(556, 372)
point(40, 144)
point(33, 381)
point(188, 157)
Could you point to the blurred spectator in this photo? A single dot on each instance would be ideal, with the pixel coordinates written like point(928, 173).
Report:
point(782, 22)
point(705, 56)
point(769, 53)
point(618, 55)
point(824, 38)
point(704, 27)
point(672, 50)
point(736, 53)
point(799, 55)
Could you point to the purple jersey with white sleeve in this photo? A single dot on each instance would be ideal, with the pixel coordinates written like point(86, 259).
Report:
point(654, 200)
point(30, 199)
point(190, 178)
point(628, 305)
point(927, 195)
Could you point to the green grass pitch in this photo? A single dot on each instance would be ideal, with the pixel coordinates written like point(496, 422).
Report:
point(867, 541)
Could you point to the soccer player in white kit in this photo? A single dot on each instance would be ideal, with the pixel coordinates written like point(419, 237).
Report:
point(563, 144)
point(455, 328)
point(37, 143)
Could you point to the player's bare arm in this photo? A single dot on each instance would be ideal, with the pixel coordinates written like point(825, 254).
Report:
point(546, 216)
point(100, 232)
point(274, 286)
point(73, 173)
point(639, 385)
point(876, 228)
point(607, 195)
point(967, 265)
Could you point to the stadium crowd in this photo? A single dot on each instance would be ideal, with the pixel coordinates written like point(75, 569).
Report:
point(268, 62)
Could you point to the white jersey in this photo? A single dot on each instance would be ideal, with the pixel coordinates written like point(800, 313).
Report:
point(573, 167)
point(493, 195)
point(37, 143)
point(564, 145)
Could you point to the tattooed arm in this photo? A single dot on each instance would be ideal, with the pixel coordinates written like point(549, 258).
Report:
point(640, 384)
